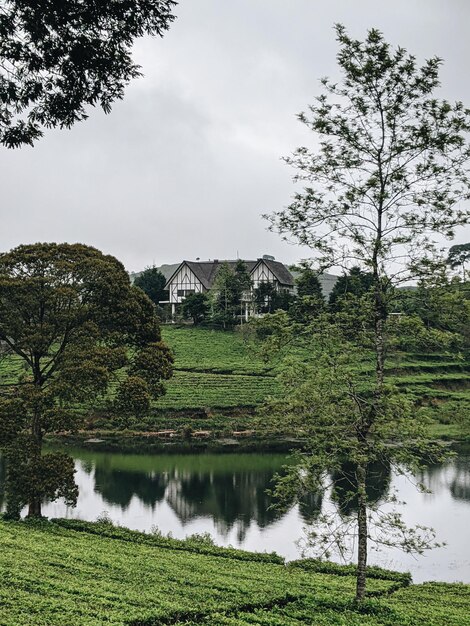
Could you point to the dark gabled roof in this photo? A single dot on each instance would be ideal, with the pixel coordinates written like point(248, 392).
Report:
point(206, 271)
point(280, 271)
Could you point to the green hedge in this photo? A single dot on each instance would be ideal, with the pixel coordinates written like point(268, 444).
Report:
point(105, 529)
point(327, 567)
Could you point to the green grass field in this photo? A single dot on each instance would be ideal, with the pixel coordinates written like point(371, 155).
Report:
point(215, 370)
point(218, 369)
point(53, 575)
point(217, 374)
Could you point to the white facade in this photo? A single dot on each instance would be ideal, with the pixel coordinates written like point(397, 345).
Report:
point(197, 277)
point(262, 274)
point(184, 283)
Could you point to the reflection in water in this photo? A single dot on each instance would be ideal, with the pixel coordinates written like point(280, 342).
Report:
point(345, 485)
point(460, 484)
point(120, 486)
point(454, 476)
point(310, 507)
point(225, 495)
point(229, 496)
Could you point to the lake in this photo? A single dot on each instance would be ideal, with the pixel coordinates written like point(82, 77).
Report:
point(225, 495)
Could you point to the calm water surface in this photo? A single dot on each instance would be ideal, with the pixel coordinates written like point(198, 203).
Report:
point(225, 496)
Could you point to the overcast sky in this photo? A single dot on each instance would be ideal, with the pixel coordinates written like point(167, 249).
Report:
point(186, 164)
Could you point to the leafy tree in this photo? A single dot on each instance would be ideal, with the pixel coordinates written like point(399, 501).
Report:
point(355, 282)
point(328, 393)
point(282, 300)
point(71, 320)
point(242, 278)
point(57, 57)
point(459, 256)
point(389, 171)
point(132, 400)
point(310, 301)
point(306, 308)
point(263, 296)
point(196, 306)
point(267, 298)
point(152, 282)
point(409, 333)
point(441, 304)
point(308, 284)
point(231, 288)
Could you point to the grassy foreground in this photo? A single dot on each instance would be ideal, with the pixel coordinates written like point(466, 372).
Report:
point(81, 574)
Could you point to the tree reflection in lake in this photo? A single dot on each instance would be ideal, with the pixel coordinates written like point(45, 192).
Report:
point(345, 489)
point(120, 486)
point(229, 498)
point(232, 497)
point(453, 476)
point(225, 495)
point(460, 484)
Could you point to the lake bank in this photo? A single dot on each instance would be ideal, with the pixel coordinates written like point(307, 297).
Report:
point(225, 495)
point(199, 441)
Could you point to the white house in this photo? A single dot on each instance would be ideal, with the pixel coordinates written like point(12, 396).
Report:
point(199, 277)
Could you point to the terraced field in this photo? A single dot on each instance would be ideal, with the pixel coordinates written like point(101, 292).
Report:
point(195, 389)
point(53, 575)
point(198, 349)
point(218, 373)
point(218, 370)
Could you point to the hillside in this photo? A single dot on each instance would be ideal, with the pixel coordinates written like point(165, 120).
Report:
point(57, 574)
point(219, 381)
point(217, 370)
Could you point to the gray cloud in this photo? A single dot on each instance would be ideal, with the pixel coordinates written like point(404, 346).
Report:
point(186, 164)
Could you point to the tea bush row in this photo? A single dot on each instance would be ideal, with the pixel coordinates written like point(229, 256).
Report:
point(54, 576)
point(191, 544)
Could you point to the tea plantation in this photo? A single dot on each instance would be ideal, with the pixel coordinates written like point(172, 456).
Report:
point(219, 380)
point(236, 375)
point(218, 374)
point(68, 573)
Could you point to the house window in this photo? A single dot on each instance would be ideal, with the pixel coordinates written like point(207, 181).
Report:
point(182, 293)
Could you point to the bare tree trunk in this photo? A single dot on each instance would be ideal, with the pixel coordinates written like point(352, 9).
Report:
point(380, 317)
point(362, 533)
point(34, 505)
point(34, 508)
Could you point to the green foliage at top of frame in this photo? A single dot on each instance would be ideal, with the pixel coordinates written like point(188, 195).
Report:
point(52, 575)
